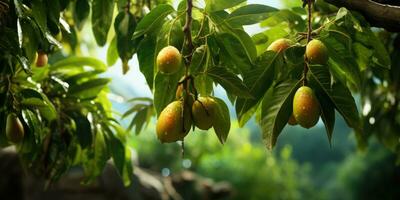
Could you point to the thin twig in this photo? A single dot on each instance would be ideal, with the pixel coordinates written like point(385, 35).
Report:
point(309, 32)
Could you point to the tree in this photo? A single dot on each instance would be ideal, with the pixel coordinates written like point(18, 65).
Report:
point(67, 119)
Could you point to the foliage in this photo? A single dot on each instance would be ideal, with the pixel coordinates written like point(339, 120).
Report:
point(64, 106)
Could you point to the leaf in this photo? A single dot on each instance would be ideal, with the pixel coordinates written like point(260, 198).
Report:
point(80, 61)
point(221, 121)
point(100, 153)
point(81, 12)
point(124, 25)
point(138, 120)
point(198, 60)
point(45, 107)
point(112, 52)
point(216, 5)
point(83, 130)
point(276, 110)
point(153, 19)
point(229, 81)
point(286, 17)
point(258, 80)
point(340, 96)
point(135, 108)
point(164, 90)
point(102, 15)
point(89, 89)
point(250, 14)
point(146, 57)
point(320, 81)
point(341, 62)
point(34, 125)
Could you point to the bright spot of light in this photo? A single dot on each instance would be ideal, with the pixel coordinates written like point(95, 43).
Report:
point(165, 172)
point(366, 108)
point(372, 120)
point(186, 163)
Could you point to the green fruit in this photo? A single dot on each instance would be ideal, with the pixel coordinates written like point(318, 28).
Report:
point(203, 111)
point(279, 45)
point(316, 52)
point(14, 129)
point(41, 59)
point(292, 121)
point(172, 125)
point(169, 60)
point(306, 109)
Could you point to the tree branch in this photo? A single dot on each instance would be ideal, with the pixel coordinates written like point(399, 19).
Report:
point(378, 14)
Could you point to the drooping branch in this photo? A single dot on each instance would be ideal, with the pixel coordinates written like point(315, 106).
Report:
point(378, 14)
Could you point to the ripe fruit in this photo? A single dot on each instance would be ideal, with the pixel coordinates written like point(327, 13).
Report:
point(14, 128)
point(306, 109)
point(316, 52)
point(203, 112)
point(169, 60)
point(292, 121)
point(279, 45)
point(41, 59)
point(171, 125)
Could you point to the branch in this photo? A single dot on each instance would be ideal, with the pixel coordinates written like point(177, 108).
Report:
point(378, 14)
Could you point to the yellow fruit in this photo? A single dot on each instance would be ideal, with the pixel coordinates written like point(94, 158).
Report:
point(292, 121)
point(14, 128)
point(171, 125)
point(306, 109)
point(41, 59)
point(279, 45)
point(203, 112)
point(169, 60)
point(316, 52)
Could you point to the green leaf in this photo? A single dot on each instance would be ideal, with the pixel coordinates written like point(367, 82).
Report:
point(35, 126)
point(198, 60)
point(135, 108)
point(250, 14)
point(258, 80)
point(102, 15)
point(320, 81)
point(83, 130)
point(112, 52)
point(216, 5)
point(341, 62)
point(276, 110)
point(138, 121)
point(81, 12)
point(153, 19)
point(164, 90)
point(100, 153)
point(222, 121)
point(146, 56)
point(124, 25)
point(229, 81)
point(80, 61)
point(45, 107)
point(234, 52)
point(287, 17)
point(339, 95)
point(89, 89)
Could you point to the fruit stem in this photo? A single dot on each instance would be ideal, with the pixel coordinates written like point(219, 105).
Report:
point(309, 32)
point(188, 34)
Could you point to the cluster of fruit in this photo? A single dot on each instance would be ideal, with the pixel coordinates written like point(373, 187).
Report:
point(306, 108)
point(177, 118)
